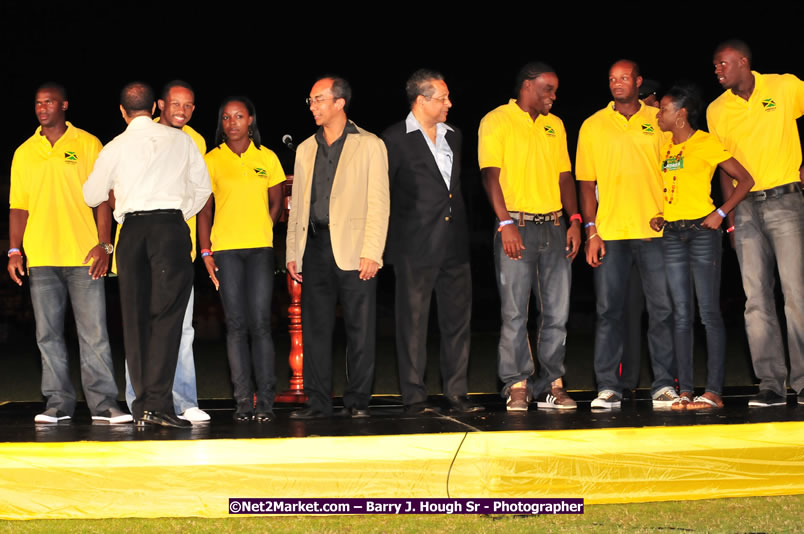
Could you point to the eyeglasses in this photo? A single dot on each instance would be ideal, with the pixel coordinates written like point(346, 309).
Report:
point(440, 99)
point(317, 100)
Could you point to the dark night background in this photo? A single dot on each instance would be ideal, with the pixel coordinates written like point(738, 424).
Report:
point(273, 54)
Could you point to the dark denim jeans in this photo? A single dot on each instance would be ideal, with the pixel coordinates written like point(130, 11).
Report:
point(545, 271)
point(611, 289)
point(247, 284)
point(49, 289)
point(692, 252)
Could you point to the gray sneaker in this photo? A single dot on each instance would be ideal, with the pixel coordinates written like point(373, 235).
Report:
point(52, 416)
point(607, 399)
point(665, 397)
point(112, 416)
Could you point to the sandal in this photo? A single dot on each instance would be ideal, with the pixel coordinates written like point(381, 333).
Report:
point(707, 401)
point(682, 402)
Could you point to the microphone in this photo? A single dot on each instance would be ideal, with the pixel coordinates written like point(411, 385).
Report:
point(287, 140)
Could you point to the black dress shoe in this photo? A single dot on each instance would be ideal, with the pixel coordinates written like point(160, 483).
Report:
point(462, 404)
point(307, 413)
point(354, 413)
point(265, 416)
point(420, 408)
point(162, 419)
point(243, 417)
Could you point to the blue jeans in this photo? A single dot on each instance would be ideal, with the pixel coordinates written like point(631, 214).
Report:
point(692, 252)
point(545, 271)
point(766, 232)
point(184, 389)
point(49, 289)
point(611, 289)
point(247, 284)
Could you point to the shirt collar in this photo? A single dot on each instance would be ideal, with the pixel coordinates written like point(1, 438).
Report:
point(350, 128)
point(412, 124)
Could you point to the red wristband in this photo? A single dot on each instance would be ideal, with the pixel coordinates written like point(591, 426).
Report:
point(205, 252)
point(730, 229)
point(576, 217)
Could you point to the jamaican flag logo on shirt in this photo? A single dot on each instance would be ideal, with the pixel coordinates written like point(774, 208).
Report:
point(549, 130)
point(70, 157)
point(260, 171)
point(769, 104)
point(647, 128)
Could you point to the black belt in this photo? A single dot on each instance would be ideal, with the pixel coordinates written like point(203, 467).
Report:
point(683, 224)
point(521, 217)
point(779, 190)
point(153, 212)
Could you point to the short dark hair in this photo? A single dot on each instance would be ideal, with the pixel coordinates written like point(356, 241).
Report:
point(634, 66)
point(686, 95)
point(340, 89)
point(53, 86)
point(137, 96)
point(254, 133)
point(175, 83)
point(735, 44)
point(421, 83)
point(530, 71)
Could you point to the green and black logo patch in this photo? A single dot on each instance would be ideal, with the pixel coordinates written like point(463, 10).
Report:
point(260, 171)
point(647, 128)
point(769, 104)
point(70, 157)
point(549, 130)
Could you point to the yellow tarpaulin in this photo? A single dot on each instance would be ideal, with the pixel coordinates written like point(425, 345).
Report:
point(197, 477)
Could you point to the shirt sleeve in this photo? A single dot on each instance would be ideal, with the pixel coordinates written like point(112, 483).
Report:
point(797, 87)
point(199, 178)
point(713, 152)
point(101, 179)
point(490, 143)
point(276, 174)
point(18, 194)
point(564, 164)
point(584, 156)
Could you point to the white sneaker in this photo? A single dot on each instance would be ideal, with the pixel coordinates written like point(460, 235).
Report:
point(195, 415)
point(665, 397)
point(51, 416)
point(113, 416)
point(607, 399)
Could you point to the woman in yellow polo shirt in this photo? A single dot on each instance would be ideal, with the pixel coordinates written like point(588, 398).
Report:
point(247, 195)
point(692, 241)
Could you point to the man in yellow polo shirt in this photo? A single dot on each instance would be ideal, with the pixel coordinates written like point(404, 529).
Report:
point(619, 149)
point(49, 218)
point(522, 151)
point(755, 119)
point(176, 109)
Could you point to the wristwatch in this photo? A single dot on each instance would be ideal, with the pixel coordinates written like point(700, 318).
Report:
point(107, 247)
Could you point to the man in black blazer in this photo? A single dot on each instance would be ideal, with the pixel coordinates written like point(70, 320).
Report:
point(428, 243)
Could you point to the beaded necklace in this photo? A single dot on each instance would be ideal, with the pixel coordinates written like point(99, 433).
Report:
point(674, 163)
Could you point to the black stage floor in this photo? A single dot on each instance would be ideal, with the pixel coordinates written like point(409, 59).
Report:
point(387, 418)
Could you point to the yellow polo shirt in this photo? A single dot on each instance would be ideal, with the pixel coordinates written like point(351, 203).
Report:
point(622, 155)
point(198, 139)
point(47, 181)
point(687, 169)
point(761, 132)
point(240, 185)
point(530, 155)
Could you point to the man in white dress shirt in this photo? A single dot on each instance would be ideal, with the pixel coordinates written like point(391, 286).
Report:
point(159, 180)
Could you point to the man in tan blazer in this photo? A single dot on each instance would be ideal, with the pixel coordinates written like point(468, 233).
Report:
point(336, 236)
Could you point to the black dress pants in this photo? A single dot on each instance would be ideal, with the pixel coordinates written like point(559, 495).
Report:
point(414, 288)
point(325, 284)
point(156, 276)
